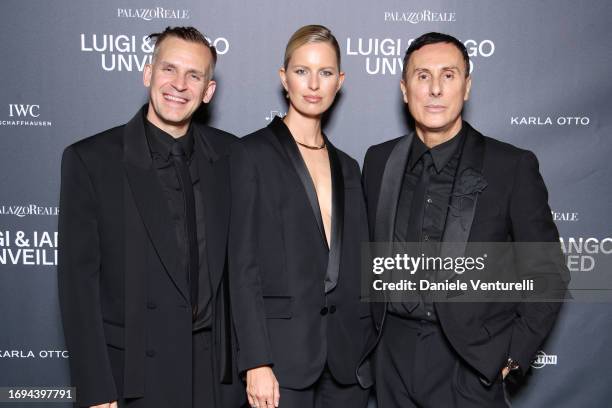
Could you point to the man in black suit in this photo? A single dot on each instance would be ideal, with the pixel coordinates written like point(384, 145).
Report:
point(143, 232)
point(445, 182)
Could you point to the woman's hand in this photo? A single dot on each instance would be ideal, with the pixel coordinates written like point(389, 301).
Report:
point(262, 388)
point(108, 405)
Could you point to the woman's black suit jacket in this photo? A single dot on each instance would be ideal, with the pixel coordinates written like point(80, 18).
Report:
point(296, 305)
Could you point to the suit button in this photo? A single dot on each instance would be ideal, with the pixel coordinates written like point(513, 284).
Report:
point(151, 305)
point(332, 309)
point(324, 311)
point(150, 353)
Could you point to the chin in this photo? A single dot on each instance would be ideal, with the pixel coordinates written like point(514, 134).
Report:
point(173, 119)
point(170, 118)
point(438, 123)
point(176, 115)
point(311, 113)
point(433, 125)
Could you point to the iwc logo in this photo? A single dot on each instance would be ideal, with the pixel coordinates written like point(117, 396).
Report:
point(24, 114)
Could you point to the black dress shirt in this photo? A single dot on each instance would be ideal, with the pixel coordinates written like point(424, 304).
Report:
point(435, 199)
point(160, 144)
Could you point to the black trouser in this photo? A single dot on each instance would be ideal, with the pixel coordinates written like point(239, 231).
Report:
point(202, 370)
point(325, 393)
point(416, 366)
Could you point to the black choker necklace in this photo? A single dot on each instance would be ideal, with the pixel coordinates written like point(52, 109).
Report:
point(312, 147)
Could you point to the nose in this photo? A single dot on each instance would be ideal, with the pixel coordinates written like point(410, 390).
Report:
point(179, 83)
point(313, 82)
point(435, 87)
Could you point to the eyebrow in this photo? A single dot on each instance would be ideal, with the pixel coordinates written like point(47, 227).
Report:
point(194, 71)
point(449, 68)
point(306, 66)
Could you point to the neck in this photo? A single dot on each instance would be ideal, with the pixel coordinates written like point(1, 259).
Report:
point(434, 137)
point(304, 129)
point(175, 130)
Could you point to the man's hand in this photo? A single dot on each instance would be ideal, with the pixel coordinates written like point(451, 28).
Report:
point(107, 405)
point(262, 387)
point(505, 372)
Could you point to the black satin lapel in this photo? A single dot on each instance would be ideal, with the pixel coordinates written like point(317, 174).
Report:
point(335, 250)
point(462, 208)
point(390, 187)
point(214, 191)
point(150, 200)
point(281, 131)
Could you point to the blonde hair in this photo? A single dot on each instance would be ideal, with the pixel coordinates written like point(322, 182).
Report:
point(311, 34)
point(190, 34)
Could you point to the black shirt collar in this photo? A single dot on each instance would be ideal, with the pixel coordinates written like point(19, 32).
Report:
point(441, 154)
point(160, 142)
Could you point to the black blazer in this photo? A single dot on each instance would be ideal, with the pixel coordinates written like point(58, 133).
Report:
point(512, 207)
point(125, 309)
point(280, 264)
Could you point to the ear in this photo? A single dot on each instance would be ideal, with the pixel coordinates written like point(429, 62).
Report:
point(210, 91)
point(340, 80)
point(283, 77)
point(146, 75)
point(404, 90)
point(468, 86)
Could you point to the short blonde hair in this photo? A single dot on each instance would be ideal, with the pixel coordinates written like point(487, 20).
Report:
point(190, 34)
point(311, 34)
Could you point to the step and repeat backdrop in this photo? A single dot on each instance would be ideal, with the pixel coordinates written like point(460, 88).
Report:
point(541, 80)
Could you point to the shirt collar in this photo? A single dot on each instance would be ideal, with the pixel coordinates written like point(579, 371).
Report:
point(440, 154)
point(160, 142)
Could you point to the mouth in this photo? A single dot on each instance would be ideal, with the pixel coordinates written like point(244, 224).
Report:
point(312, 98)
point(435, 108)
point(175, 99)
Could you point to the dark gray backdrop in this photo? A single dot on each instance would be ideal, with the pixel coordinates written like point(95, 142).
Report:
point(541, 80)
